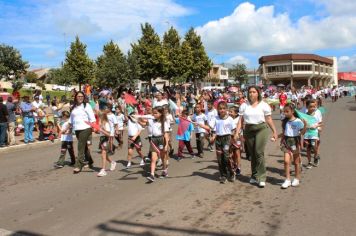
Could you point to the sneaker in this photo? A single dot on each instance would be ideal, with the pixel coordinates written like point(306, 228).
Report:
point(151, 178)
point(112, 166)
point(253, 181)
point(56, 165)
point(142, 163)
point(128, 164)
point(102, 173)
point(200, 155)
point(179, 158)
point(262, 184)
point(223, 180)
point(159, 162)
point(211, 149)
point(192, 156)
point(316, 161)
point(309, 166)
point(164, 174)
point(238, 171)
point(147, 160)
point(295, 182)
point(232, 178)
point(286, 184)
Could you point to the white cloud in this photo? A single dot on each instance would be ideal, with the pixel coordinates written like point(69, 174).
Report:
point(51, 53)
point(337, 7)
point(261, 30)
point(347, 63)
point(239, 59)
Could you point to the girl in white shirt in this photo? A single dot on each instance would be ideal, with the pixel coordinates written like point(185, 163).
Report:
point(113, 127)
point(119, 134)
point(170, 122)
point(224, 128)
point(293, 128)
point(134, 130)
point(104, 144)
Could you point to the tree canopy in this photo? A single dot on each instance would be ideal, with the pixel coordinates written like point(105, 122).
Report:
point(11, 62)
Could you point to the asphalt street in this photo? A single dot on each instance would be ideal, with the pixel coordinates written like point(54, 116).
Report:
point(36, 199)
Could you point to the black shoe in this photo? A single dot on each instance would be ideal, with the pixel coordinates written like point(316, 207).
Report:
point(317, 161)
point(151, 178)
point(238, 171)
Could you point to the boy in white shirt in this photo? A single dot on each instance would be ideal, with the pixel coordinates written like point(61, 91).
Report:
point(200, 121)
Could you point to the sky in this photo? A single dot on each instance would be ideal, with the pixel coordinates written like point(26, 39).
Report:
point(232, 31)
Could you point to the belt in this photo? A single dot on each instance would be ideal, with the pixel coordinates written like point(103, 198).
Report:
point(160, 136)
point(225, 135)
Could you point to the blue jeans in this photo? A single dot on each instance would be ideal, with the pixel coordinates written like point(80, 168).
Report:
point(28, 123)
point(3, 130)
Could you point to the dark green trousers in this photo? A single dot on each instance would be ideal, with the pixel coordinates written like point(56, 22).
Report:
point(222, 145)
point(256, 137)
point(83, 151)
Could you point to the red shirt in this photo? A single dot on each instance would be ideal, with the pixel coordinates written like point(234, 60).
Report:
point(283, 99)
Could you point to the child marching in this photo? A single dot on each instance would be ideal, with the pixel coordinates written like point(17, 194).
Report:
point(134, 130)
point(236, 145)
point(184, 134)
point(200, 120)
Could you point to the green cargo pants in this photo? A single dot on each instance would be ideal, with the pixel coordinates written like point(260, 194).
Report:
point(83, 150)
point(222, 144)
point(256, 137)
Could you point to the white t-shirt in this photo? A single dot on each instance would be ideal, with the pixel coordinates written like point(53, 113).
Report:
point(292, 128)
point(255, 115)
point(160, 103)
point(156, 127)
point(106, 127)
point(133, 128)
point(170, 120)
point(200, 119)
point(68, 135)
point(210, 116)
point(80, 115)
point(112, 121)
point(224, 126)
point(120, 121)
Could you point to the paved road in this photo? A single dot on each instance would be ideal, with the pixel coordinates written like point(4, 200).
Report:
point(38, 200)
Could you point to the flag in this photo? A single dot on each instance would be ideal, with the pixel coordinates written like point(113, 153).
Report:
point(129, 99)
point(183, 126)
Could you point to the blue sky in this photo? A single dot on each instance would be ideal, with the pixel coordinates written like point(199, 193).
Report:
point(232, 31)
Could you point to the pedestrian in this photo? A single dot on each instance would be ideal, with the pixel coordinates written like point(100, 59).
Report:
point(292, 129)
point(11, 108)
point(104, 144)
point(119, 134)
point(159, 141)
point(27, 110)
point(235, 147)
point(66, 137)
point(210, 114)
point(4, 119)
point(134, 130)
point(184, 134)
point(113, 127)
point(170, 121)
point(256, 117)
point(81, 115)
point(199, 120)
point(39, 114)
point(225, 129)
point(312, 135)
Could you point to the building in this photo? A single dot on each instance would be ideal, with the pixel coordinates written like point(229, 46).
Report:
point(298, 70)
point(42, 73)
point(217, 77)
point(347, 78)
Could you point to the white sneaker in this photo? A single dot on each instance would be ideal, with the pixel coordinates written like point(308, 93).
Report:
point(112, 166)
point(261, 184)
point(142, 163)
point(253, 181)
point(159, 162)
point(128, 164)
point(102, 173)
point(286, 184)
point(295, 182)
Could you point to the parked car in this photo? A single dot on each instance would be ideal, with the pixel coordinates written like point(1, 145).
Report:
point(29, 86)
point(57, 87)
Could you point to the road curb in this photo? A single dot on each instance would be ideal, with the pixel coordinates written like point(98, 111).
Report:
point(29, 146)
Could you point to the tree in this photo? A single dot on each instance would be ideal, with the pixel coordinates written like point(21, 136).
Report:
point(31, 77)
point(79, 64)
point(11, 63)
point(61, 76)
point(172, 50)
point(201, 62)
point(111, 66)
point(133, 68)
point(151, 60)
point(186, 63)
point(239, 73)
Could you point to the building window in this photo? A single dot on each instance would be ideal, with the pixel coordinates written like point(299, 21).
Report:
point(278, 69)
point(302, 67)
point(223, 72)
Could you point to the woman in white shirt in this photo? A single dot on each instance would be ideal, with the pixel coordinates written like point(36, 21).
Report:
point(81, 112)
point(256, 117)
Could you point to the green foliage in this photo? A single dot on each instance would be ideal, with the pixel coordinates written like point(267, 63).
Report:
point(172, 51)
point(61, 76)
point(133, 68)
point(31, 77)
point(78, 63)
point(151, 61)
point(186, 63)
point(11, 62)
point(201, 64)
point(17, 84)
point(111, 67)
point(239, 73)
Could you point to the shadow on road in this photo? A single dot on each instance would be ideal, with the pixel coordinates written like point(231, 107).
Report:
point(24, 233)
point(139, 229)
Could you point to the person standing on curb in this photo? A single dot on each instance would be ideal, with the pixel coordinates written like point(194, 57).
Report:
point(81, 112)
point(28, 120)
point(4, 117)
point(256, 117)
point(11, 108)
